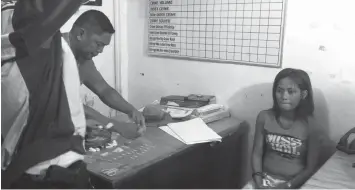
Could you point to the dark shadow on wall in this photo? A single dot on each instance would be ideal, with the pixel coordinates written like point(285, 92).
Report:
point(321, 112)
point(249, 101)
point(321, 115)
point(246, 103)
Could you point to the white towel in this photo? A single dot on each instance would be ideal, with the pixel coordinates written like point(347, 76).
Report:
point(72, 85)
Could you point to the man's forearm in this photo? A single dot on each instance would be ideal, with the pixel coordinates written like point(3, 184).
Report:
point(128, 130)
point(114, 100)
point(55, 14)
point(91, 113)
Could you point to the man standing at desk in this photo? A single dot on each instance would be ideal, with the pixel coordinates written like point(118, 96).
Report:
point(91, 32)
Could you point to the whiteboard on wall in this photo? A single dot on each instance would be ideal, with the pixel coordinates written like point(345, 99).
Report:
point(232, 31)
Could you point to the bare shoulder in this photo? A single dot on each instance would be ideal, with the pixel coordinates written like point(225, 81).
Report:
point(87, 65)
point(266, 114)
point(263, 115)
point(87, 70)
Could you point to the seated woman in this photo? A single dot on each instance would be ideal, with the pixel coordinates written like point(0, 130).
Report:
point(285, 148)
point(346, 143)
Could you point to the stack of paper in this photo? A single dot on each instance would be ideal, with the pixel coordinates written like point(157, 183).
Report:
point(177, 112)
point(210, 108)
point(192, 131)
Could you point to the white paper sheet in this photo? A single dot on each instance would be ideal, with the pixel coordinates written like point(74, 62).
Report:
point(192, 131)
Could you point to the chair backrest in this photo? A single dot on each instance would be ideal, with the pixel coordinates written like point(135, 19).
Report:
point(14, 94)
point(7, 10)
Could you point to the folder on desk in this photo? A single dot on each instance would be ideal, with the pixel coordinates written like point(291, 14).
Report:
point(192, 131)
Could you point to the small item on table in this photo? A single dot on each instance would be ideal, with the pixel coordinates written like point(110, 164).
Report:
point(125, 147)
point(191, 101)
point(96, 138)
point(110, 172)
point(104, 154)
point(118, 149)
point(111, 145)
point(92, 149)
point(109, 126)
point(126, 143)
point(208, 109)
point(210, 99)
point(179, 113)
point(114, 171)
point(153, 113)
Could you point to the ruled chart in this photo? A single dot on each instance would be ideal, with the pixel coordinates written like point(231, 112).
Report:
point(235, 31)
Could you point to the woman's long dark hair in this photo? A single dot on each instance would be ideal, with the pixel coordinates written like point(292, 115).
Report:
point(306, 106)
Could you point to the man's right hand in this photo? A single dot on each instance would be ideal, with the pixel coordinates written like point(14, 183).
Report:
point(127, 130)
point(137, 117)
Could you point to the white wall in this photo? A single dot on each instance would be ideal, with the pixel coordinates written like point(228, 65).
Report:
point(319, 38)
point(105, 62)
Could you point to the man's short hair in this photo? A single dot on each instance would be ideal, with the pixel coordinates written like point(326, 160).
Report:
point(95, 20)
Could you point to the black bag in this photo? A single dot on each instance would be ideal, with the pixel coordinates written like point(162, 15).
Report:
point(75, 176)
point(97, 138)
point(344, 144)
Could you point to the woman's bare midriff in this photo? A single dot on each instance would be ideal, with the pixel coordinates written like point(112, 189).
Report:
point(281, 167)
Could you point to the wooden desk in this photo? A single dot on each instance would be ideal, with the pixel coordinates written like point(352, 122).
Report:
point(172, 164)
point(336, 173)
